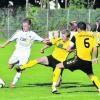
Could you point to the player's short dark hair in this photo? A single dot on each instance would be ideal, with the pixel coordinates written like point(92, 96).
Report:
point(66, 32)
point(81, 25)
point(27, 21)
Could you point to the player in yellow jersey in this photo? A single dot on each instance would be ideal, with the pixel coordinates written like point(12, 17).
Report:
point(55, 37)
point(85, 45)
point(58, 55)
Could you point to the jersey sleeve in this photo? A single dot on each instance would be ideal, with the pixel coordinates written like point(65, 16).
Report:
point(54, 40)
point(37, 37)
point(15, 36)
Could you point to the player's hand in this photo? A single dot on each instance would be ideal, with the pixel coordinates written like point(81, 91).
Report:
point(46, 40)
point(95, 60)
point(42, 51)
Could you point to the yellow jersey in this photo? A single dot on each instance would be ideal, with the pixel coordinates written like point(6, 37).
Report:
point(60, 53)
point(84, 42)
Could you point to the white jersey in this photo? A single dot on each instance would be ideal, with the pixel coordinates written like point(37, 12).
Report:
point(25, 39)
point(24, 42)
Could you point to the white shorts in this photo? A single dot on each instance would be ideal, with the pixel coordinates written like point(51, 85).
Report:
point(19, 56)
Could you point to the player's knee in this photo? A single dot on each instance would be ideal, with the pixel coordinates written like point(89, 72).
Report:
point(60, 65)
point(40, 60)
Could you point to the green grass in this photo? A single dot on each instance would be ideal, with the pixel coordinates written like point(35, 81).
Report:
point(35, 83)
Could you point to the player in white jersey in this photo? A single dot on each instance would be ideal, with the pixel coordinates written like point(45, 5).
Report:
point(24, 39)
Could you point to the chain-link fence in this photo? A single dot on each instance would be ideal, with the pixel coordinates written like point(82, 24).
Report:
point(43, 20)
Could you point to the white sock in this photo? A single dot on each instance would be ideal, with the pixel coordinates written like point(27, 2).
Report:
point(99, 90)
point(54, 86)
point(16, 78)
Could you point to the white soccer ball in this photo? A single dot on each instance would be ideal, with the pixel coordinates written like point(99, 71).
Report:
point(2, 83)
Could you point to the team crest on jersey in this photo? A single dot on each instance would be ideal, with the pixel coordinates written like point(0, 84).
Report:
point(60, 45)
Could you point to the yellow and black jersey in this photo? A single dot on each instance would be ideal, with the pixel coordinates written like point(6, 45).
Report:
point(54, 40)
point(60, 53)
point(84, 42)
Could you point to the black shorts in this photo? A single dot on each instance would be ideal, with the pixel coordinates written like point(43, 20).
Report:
point(52, 61)
point(79, 64)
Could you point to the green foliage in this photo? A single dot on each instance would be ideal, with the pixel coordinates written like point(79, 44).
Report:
point(39, 19)
point(45, 20)
point(76, 4)
point(57, 19)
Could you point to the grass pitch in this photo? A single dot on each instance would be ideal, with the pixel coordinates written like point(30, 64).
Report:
point(35, 83)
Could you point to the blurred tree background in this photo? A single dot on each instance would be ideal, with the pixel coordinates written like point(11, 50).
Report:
point(44, 18)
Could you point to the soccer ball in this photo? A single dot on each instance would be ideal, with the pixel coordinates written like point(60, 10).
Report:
point(2, 83)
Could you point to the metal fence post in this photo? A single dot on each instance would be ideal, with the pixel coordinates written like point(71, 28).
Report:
point(27, 8)
point(89, 19)
point(67, 18)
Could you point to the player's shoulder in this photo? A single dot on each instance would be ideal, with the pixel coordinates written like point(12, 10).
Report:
point(84, 33)
point(55, 40)
point(18, 32)
point(32, 32)
point(91, 34)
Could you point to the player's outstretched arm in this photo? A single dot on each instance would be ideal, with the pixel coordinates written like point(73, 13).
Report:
point(95, 52)
point(44, 48)
point(46, 41)
point(4, 44)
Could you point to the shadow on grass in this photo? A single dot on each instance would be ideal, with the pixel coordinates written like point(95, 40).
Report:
point(77, 85)
point(66, 85)
point(63, 85)
point(82, 91)
point(49, 84)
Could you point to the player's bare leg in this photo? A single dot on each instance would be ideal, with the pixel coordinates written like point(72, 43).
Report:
point(16, 78)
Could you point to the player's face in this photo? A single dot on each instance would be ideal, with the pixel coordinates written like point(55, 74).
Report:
point(26, 27)
point(64, 37)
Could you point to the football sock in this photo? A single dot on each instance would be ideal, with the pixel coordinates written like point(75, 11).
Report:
point(16, 78)
point(29, 64)
point(56, 74)
point(96, 81)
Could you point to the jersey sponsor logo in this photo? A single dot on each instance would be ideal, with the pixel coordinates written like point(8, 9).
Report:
point(23, 39)
point(86, 36)
point(60, 45)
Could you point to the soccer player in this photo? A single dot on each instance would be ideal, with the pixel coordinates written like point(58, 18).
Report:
point(86, 44)
point(24, 39)
point(56, 35)
point(58, 55)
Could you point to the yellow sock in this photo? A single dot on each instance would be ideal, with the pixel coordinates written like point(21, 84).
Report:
point(96, 81)
point(29, 64)
point(56, 74)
